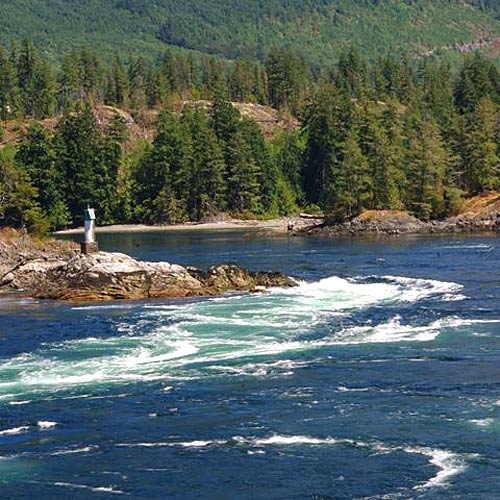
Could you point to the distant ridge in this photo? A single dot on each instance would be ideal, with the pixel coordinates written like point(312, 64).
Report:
point(317, 29)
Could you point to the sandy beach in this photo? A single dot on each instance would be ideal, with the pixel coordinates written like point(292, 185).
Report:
point(275, 225)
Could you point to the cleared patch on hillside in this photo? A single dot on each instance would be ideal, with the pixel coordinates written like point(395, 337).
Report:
point(15, 130)
point(269, 120)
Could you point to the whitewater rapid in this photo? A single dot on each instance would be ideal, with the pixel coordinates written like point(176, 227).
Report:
point(243, 334)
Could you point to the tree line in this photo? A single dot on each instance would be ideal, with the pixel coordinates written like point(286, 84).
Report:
point(32, 87)
point(395, 134)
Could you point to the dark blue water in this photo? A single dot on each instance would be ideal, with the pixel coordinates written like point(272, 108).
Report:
point(378, 377)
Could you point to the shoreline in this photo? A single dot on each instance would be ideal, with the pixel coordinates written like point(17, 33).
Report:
point(278, 225)
point(308, 228)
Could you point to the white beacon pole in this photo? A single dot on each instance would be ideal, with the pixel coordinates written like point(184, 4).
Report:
point(89, 243)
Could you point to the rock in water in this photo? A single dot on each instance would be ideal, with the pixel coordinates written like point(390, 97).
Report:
point(110, 276)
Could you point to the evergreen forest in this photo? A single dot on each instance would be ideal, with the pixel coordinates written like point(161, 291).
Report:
point(394, 133)
point(319, 30)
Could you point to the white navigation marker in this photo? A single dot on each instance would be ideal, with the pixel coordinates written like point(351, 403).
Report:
point(89, 244)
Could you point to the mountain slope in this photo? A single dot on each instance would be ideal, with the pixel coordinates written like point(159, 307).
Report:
point(319, 29)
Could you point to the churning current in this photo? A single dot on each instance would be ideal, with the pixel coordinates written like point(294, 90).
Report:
point(377, 377)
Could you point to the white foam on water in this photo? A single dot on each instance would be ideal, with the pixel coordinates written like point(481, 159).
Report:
point(481, 246)
point(45, 425)
point(192, 340)
point(198, 443)
point(143, 445)
point(145, 356)
point(97, 489)
point(183, 444)
point(281, 367)
point(415, 289)
point(450, 297)
point(392, 331)
point(456, 322)
point(482, 422)
point(72, 451)
point(280, 440)
point(15, 430)
point(274, 440)
point(107, 489)
point(15, 403)
point(103, 306)
point(41, 425)
point(449, 464)
point(132, 362)
point(342, 388)
point(340, 293)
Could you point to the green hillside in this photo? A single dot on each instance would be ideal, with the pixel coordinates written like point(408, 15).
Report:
point(319, 29)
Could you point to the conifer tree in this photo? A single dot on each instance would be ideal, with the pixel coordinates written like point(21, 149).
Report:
point(92, 76)
point(287, 78)
point(118, 86)
point(138, 75)
point(208, 184)
point(437, 92)
point(326, 123)
point(44, 91)
point(38, 157)
point(427, 163)
point(18, 197)
point(474, 82)
point(27, 63)
point(81, 158)
point(266, 172)
point(225, 119)
point(71, 79)
point(157, 91)
point(162, 177)
point(243, 176)
point(481, 149)
point(347, 186)
point(167, 70)
point(381, 160)
point(9, 89)
point(352, 73)
point(289, 151)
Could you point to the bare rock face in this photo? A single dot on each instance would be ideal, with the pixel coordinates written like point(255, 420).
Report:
point(229, 278)
point(24, 260)
point(110, 276)
point(394, 222)
point(271, 279)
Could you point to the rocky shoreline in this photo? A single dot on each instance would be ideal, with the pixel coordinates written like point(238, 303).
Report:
point(400, 223)
point(58, 270)
point(54, 269)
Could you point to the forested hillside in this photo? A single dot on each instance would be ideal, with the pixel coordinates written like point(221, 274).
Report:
point(317, 29)
point(392, 134)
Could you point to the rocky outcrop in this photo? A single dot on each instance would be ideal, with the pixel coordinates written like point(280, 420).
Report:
point(19, 251)
point(393, 222)
point(110, 276)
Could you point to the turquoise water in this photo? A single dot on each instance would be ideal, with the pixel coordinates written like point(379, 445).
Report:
point(377, 377)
